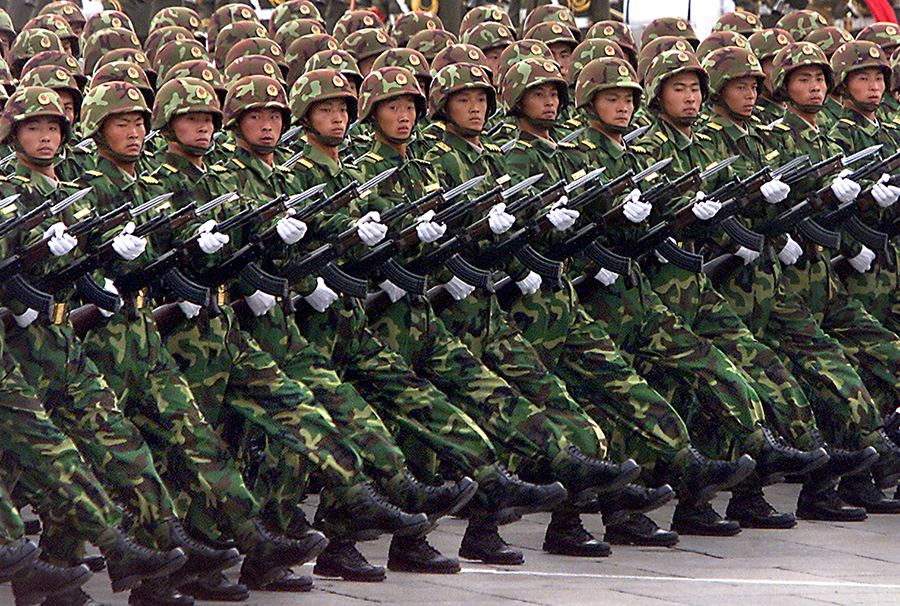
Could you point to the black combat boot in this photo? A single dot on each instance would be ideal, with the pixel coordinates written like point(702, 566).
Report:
point(215, 587)
point(128, 563)
point(39, 579)
point(748, 507)
point(73, 597)
point(859, 490)
point(266, 554)
point(566, 535)
point(415, 554)
point(15, 556)
point(201, 559)
point(413, 496)
point(508, 498)
point(621, 504)
point(482, 542)
point(700, 478)
point(886, 470)
point(775, 458)
point(699, 518)
point(639, 530)
point(158, 592)
point(341, 559)
point(585, 477)
point(825, 504)
point(360, 513)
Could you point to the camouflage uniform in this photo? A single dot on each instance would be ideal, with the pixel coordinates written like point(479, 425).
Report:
point(800, 24)
point(764, 44)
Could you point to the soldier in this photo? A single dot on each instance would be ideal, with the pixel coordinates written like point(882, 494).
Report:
point(829, 39)
point(764, 44)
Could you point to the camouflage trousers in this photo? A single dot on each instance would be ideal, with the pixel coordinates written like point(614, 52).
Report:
point(11, 526)
point(842, 405)
point(549, 419)
point(637, 421)
point(692, 297)
point(879, 288)
point(702, 384)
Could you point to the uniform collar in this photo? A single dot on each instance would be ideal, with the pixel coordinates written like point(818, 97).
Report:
point(389, 153)
point(605, 144)
point(318, 157)
point(860, 121)
point(675, 136)
point(112, 172)
point(800, 126)
point(43, 184)
point(545, 146)
point(183, 165)
point(463, 147)
point(251, 161)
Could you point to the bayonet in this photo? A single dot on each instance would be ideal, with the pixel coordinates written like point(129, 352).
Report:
point(573, 135)
point(215, 203)
point(305, 195)
point(717, 167)
point(635, 134)
point(149, 204)
point(853, 158)
point(508, 146)
point(375, 181)
point(789, 166)
point(591, 176)
point(69, 200)
point(290, 134)
point(521, 186)
point(463, 187)
point(655, 167)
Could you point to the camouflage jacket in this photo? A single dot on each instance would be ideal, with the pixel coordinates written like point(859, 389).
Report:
point(455, 161)
point(767, 110)
point(830, 114)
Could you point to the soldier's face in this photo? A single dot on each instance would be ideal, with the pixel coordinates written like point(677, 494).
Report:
point(365, 66)
point(68, 102)
point(195, 129)
point(261, 126)
point(468, 108)
point(562, 54)
point(396, 116)
point(614, 106)
point(680, 96)
point(40, 137)
point(740, 95)
point(541, 102)
point(865, 85)
point(493, 60)
point(807, 86)
point(329, 118)
point(124, 133)
point(766, 66)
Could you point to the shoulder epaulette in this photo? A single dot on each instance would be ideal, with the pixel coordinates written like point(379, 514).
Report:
point(148, 179)
point(771, 155)
point(442, 146)
point(69, 184)
point(218, 168)
point(703, 137)
point(282, 168)
point(638, 149)
point(754, 119)
point(782, 127)
point(93, 173)
point(889, 125)
point(439, 125)
point(567, 145)
point(240, 164)
point(149, 153)
point(21, 178)
point(429, 136)
point(229, 147)
point(589, 145)
point(492, 147)
point(662, 136)
point(574, 122)
point(525, 144)
point(305, 162)
point(715, 126)
point(373, 156)
point(847, 121)
point(763, 127)
point(508, 126)
point(169, 168)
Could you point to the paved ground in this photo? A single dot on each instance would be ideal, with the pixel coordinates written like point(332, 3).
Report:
point(816, 563)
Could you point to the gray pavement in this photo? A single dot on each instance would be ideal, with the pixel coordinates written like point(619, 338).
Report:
point(815, 563)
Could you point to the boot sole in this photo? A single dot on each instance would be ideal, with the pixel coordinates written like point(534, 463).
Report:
point(464, 497)
point(401, 566)
point(746, 465)
point(664, 540)
point(587, 495)
point(705, 532)
point(829, 517)
point(134, 580)
point(486, 559)
point(193, 575)
point(28, 554)
point(36, 597)
point(513, 514)
point(619, 516)
point(355, 578)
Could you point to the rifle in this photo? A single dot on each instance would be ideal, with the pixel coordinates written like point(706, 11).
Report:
point(38, 215)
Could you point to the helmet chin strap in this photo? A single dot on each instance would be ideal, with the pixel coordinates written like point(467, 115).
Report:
point(807, 108)
point(118, 157)
point(262, 150)
point(324, 139)
point(861, 105)
point(394, 140)
point(192, 150)
point(540, 122)
point(735, 117)
point(464, 131)
point(615, 128)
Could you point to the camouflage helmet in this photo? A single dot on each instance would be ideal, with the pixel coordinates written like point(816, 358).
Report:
point(57, 79)
point(202, 70)
point(106, 20)
point(668, 64)
point(367, 43)
point(459, 53)
point(792, 57)
point(352, 21)
point(294, 9)
point(489, 35)
point(528, 74)
point(233, 33)
point(176, 51)
point(226, 15)
point(484, 14)
point(340, 60)
point(857, 55)
point(895, 70)
point(718, 40)
point(58, 26)
point(454, 78)
point(388, 83)
point(131, 55)
point(68, 10)
point(321, 85)
point(656, 47)
point(411, 59)
point(162, 36)
point(32, 102)
point(6, 26)
point(619, 33)
point(800, 24)
point(301, 49)
point(431, 42)
point(28, 44)
point(296, 29)
point(519, 51)
point(740, 21)
point(250, 65)
point(110, 99)
point(251, 93)
point(58, 59)
point(587, 51)
point(179, 16)
point(409, 24)
point(554, 13)
point(829, 39)
point(766, 42)
point(669, 26)
point(258, 46)
point(603, 74)
point(124, 71)
point(184, 96)
point(105, 41)
point(550, 33)
point(6, 79)
point(731, 63)
point(885, 35)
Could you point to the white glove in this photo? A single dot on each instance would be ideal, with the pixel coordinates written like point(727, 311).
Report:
point(499, 220)
point(190, 310)
point(562, 218)
point(60, 243)
point(844, 189)
point(703, 208)
point(606, 277)
point(885, 195)
point(427, 230)
point(290, 230)
point(110, 286)
point(261, 303)
point(24, 320)
point(749, 256)
point(635, 210)
point(370, 229)
point(394, 292)
point(458, 289)
point(530, 284)
point(775, 191)
point(791, 252)
point(322, 297)
point(863, 261)
point(128, 246)
point(210, 242)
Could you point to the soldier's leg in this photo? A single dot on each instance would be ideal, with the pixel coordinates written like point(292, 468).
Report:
point(879, 288)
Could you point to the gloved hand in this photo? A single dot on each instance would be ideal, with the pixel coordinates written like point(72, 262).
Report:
point(863, 261)
point(499, 220)
point(290, 230)
point(427, 230)
point(458, 289)
point(60, 243)
point(322, 297)
point(530, 284)
point(25, 319)
point(370, 229)
point(606, 277)
point(885, 195)
point(394, 292)
point(775, 191)
point(260, 303)
point(791, 252)
point(844, 189)
point(210, 242)
point(635, 210)
point(749, 256)
point(562, 218)
point(129, 246)
point(703, 208)
point(109, 286)
point(190, 310)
